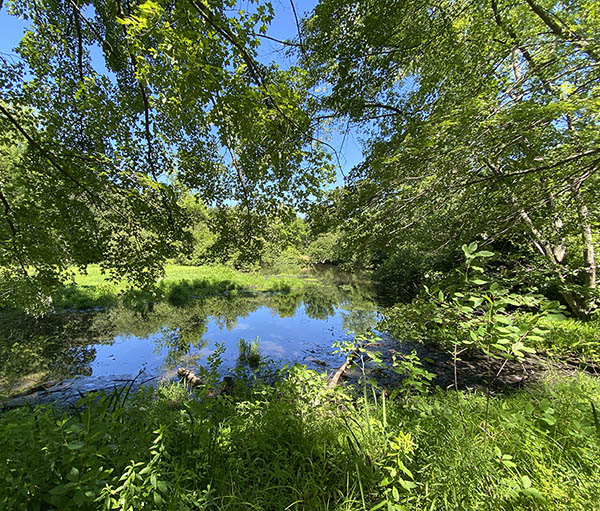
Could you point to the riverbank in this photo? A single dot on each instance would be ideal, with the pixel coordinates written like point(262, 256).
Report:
point(298, 445)
point(180, 283)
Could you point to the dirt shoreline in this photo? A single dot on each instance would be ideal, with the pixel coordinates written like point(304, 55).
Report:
point(474, 369)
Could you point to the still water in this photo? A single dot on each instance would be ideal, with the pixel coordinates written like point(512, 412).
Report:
point(289, 327)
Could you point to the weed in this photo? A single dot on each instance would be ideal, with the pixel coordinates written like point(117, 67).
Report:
point(249, 352)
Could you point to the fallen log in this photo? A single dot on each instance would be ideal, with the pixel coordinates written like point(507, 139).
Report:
point(334, 380)
point(189, 377)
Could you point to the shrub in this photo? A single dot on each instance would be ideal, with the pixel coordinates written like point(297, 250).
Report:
point(570, 336)
point(281, 260)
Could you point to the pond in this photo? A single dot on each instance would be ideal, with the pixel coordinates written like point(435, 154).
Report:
point(118, 343)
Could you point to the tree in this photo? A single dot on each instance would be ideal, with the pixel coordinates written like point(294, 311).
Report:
point(180, 102)
point(482, 120)
point(247, 240)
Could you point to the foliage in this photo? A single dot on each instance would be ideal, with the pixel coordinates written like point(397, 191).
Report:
point(406, 271)
point(325, 248)
point(288, 260)
point(479, 120)
point(199, 219)
point(96, 153)
point(299, 444)
point(247, 240)
point(469, 312)
point(566, 336)
point(479, 315)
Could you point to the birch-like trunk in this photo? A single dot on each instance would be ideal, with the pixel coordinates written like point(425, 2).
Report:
point(587, 244)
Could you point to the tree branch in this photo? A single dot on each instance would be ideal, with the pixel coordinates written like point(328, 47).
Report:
point(53, 162)
point(383, 106)
point(13, 230)
point(103, 41)
point(297, 26)
point(559, 31)
point(285, 43)
point(76, 14)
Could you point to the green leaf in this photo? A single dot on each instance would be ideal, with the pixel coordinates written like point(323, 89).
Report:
point(533, 492)
point(407, 485)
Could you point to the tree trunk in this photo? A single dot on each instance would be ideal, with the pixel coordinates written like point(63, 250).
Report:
point(589, 254)
point(579, 309)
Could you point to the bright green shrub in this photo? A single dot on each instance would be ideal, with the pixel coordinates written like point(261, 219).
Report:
point(573, 337)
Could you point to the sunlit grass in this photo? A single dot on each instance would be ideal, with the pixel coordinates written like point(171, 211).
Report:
point(176, 273)
point(297, 445)
point(180, 283)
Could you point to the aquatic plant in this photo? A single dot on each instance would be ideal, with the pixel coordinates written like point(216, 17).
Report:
point(249, 352)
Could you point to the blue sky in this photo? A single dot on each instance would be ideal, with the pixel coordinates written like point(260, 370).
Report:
point(283, 27)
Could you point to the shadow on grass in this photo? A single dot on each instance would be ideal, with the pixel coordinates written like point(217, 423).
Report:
point(183, 292)
point(185, 453)
point(80, 297)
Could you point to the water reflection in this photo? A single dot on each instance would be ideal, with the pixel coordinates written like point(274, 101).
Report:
point(122, 340)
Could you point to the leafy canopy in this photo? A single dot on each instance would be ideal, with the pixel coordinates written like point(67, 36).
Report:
point(481, 119)
point(111, 108)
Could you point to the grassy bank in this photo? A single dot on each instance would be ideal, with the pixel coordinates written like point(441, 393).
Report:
point(297, 445)
point(180, 283)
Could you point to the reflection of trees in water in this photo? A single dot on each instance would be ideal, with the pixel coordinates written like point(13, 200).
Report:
point(55, 347)
point(226, 311)
point(190, 321)
point(321, 302)
point(60, 344)
point(359, 321)
point(286, 304)
point(178, 346)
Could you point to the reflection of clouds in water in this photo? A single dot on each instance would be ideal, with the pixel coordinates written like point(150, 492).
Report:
point(205, 352)
point(286, 324)
point(271, 348)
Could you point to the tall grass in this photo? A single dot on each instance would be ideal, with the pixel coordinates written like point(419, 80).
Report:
point(298, 445)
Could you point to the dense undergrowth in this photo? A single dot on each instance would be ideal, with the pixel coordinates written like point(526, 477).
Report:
point(574, 338)
point(290, 442)
point(298, 445)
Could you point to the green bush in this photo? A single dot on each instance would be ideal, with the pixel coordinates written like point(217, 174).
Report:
point(570, 336)
point(325, 248)
point(289, 259)
point(404, 273)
